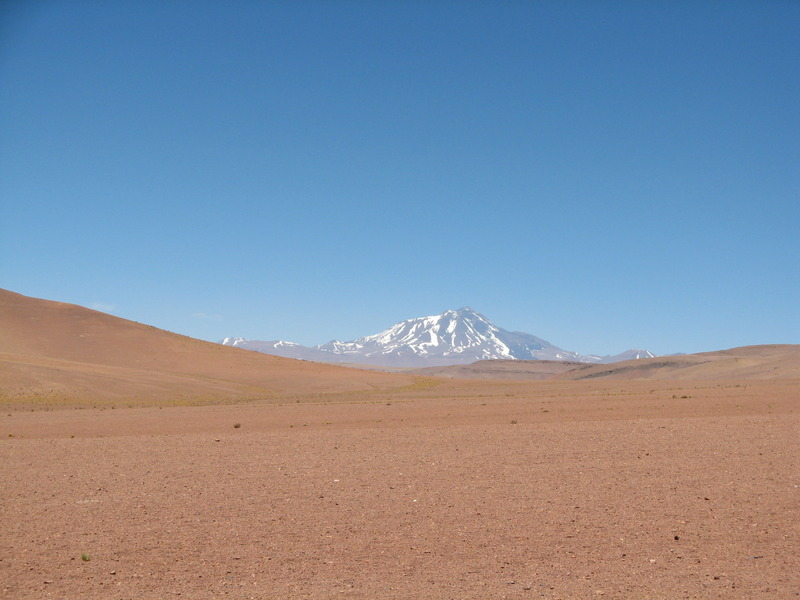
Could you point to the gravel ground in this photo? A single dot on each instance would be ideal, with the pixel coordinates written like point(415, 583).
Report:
point(651, 493)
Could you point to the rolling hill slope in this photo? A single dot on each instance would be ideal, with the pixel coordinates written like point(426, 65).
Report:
point(777, 361)
point(57, 352)
point(743, 363)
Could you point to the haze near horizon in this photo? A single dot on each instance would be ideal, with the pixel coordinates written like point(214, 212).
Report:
point(602, 176)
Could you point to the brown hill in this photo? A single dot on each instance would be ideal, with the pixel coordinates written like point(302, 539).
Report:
point(52, 352)
point(747, 362)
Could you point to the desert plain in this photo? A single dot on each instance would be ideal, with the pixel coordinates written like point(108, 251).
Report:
point(140, 464)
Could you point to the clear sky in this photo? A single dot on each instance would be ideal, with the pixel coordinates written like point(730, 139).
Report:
point(604, 175)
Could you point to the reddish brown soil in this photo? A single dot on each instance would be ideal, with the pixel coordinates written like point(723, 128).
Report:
point(464, 490)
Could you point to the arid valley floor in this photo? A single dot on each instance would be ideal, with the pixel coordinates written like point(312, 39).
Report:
point(374, 485)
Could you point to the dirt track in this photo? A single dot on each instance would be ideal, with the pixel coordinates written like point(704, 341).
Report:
point(591, 493)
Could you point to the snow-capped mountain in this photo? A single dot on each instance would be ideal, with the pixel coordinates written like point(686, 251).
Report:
point(454, 337)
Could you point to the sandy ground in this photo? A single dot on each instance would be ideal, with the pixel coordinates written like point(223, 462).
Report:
point(473, 491)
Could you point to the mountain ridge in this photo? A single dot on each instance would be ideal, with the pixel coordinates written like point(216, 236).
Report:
point(454, 337)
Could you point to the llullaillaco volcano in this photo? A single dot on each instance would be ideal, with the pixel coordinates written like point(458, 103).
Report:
point(454, 337)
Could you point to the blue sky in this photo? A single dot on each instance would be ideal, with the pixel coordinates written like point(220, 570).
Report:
point(604, 175)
